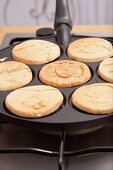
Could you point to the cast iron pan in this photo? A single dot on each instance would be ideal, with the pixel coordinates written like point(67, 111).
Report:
point(67, 117)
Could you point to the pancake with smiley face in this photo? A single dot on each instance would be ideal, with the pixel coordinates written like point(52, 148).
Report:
point(96, 98)
point(65, 73)
point(35, 52)
point(106, 70)
point(34, 101)
point(90, 49)
point(14, 75)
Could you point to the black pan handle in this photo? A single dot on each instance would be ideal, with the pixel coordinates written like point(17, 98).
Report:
point(62, 15)
point(63, 23)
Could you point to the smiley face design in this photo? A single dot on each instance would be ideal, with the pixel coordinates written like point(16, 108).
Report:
point(106, 70)
point(65, 73)
point(103, 96)
point(14, 75)
point(34, 101)
point(96, 98)
point(90, 49)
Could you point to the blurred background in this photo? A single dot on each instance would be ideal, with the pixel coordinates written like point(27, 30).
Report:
point(41, 12)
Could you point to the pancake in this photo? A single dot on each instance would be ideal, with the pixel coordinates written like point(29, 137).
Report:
point(95, 99)
point(106, 70)
point(34, 101)
point(36, 52)
point(14, 75)
point(90, 49)
point(65, 73)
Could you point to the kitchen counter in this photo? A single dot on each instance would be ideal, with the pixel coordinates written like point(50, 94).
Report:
point(78, 29)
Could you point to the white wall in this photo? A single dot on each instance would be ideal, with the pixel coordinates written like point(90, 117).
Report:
point(34, 12)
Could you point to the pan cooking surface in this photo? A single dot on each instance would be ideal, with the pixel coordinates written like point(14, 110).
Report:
point(67, 117)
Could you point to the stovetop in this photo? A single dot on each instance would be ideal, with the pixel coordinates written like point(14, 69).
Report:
point(23, 148)
point(20, 149)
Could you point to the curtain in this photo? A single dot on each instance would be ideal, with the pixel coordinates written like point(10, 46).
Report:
point(34, 12)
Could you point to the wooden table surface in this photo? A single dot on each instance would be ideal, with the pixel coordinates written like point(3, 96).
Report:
point(29, 29)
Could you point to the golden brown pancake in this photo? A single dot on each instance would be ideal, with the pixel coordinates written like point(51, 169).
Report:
point(106, 70)
point(13, 75)
point(36, 52)
point(95, 98)
point(34, 101)
point(65, 73)
point(90, 49)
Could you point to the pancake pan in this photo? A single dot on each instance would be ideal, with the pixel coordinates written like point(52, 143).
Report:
point(67, 117)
